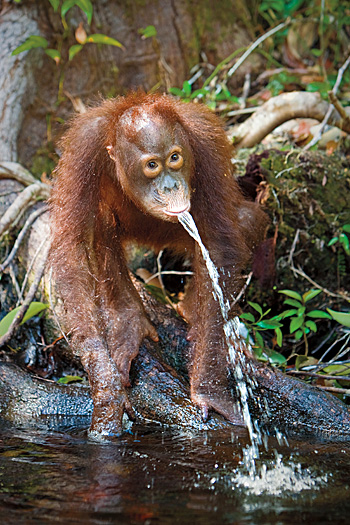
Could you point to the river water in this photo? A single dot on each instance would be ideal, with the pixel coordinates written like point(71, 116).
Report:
point(55, 474)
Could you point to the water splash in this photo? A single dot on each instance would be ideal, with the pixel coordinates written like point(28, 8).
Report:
point(277, 478)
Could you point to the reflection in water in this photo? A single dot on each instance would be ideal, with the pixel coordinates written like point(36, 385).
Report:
point(162, 476)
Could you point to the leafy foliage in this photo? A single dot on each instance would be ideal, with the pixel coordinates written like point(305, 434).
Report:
point(34, 309)
point(36, 41)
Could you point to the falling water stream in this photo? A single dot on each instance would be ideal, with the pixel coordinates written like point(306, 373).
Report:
point(234, 343)
point(282, 473)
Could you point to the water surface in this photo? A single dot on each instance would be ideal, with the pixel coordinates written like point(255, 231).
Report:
point(156, 475)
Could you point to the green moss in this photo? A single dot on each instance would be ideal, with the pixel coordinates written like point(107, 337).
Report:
point(309, 195)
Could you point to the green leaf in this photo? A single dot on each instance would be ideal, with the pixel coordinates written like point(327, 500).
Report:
point(279, 336)
point(147, 32)
point(74, 50)
point(296, 322)
point(34, 309)
point(301, 311)
point(247, 317)
point(341, 317)
point(333, 241)
point(177, 92)
point(312, 325)
point(69, 379)
point(344, 239)
point(298, 335)
point(187, 88)
point(99, 38)
point(292, 294)
point(54, 54)
point(259, 340)
point(303, 360)
point(346, 228)
point(84, 5)
point(276, 358)
point(307, 296)
point(337, 369)
point(199, 93)
point(293, 302)
point(32, 42)
point(256, 307)
point(288, 313)
point(66, 6)
point(259, 354)
point(318, 314)
point(55, 4)
point(269, 323)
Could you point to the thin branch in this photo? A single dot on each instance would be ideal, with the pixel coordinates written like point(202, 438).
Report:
point(299, 271)
point(29, 298)
point(243, 289)
point(32, 217)
point(15, 171)
point(341, 295)
point(14, 280)
point(331, 106)
point(166, 272)
point(336, 390)
point(322, 376)
point(255, 45)
point(29, 269)
point(27, 197)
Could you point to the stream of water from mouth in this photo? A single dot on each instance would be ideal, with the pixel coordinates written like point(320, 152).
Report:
point(235, 344)
point(276, 473)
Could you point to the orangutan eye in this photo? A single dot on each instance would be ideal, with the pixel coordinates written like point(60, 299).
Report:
point(152, 165)
point(175, 160)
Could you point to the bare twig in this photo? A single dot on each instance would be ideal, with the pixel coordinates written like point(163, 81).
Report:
point(14, 280)
point(29, 269)
point(15, 171)
point(341, 295)
point(331, 106)
point(31, 194)
point(166, 272)
point(243, 289)
point(255, 45)
point(29, 298)
point(319, 376)
point(32, 217)
point(336, 390)
point(299, 271)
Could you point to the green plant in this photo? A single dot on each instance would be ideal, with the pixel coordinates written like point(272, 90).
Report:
point(279, 81)
point(34, 309)
point(261, 324)
point(206, 94)
point(273, 10)
point(82, 38)
point(342, 239)
point(302, 321)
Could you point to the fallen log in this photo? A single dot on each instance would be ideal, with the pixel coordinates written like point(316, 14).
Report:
point(160, 392)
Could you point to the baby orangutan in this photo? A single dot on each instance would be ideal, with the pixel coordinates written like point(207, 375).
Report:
point(129, 167)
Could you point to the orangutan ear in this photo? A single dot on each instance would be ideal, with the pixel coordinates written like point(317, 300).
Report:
point(111, 152)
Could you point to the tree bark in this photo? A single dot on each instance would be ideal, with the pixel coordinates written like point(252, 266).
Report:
point(29, 81)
